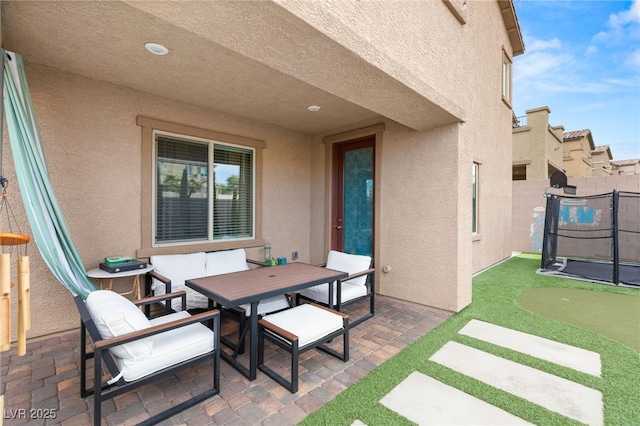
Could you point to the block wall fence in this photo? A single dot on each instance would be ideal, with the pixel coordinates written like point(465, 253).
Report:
point(529, 205)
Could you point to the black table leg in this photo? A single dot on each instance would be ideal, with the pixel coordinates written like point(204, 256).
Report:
point(253, 344)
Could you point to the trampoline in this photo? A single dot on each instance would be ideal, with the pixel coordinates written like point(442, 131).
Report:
point(595, 238)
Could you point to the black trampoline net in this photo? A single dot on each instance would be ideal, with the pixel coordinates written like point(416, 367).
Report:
point(629, 227)
point(595, 237)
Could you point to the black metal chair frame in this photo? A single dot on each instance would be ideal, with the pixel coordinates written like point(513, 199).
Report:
point(102, 354)
point(289, 342)
point(237, 313)
point(370, 273)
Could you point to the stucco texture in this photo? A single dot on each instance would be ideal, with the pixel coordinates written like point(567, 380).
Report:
point(432, 83)
point(92, 147)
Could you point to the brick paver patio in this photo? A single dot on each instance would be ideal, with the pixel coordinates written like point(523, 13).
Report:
point(47, 379)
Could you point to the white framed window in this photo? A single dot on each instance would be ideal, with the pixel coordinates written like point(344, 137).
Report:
point(203, 190)
point(506, 77)
point(474, 197)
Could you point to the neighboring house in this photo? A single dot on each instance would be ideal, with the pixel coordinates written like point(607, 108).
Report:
point(537, 146)
point(540, 149)
point(626, 167)
point(601, 160)
point(414, 119)
point(577, 148)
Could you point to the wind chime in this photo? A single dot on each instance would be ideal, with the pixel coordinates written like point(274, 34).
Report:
point(13, 243)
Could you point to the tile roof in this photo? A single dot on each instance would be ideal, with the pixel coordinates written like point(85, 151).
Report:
point(626, 162)
point(602, 149)
point(576, 134)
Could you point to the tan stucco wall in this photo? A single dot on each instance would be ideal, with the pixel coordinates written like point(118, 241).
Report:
point(92, 147)
point(529, 204)
point(395, 38)
point(601, 165)
point(492, 149)
point(537, 145)
point(425, 214)
point(424, 196)
point(577, 158)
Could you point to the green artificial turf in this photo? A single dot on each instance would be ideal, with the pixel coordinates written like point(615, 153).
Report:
point(495, 300)
point(612, 315)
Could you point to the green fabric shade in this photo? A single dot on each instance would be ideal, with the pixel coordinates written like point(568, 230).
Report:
point(50, 231)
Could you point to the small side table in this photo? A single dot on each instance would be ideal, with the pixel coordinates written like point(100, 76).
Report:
point(100, 275)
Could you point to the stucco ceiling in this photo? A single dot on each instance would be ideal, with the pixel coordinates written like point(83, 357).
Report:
point(252, 59)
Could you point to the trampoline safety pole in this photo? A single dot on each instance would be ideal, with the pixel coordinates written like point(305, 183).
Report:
point(616, 255)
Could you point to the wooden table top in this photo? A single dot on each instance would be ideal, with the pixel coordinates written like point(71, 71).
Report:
point(253, 285)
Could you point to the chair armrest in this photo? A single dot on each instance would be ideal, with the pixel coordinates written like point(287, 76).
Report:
point(278, 331)
point(257, 262)
point(359, 274)
point(151, 331)
point(157, 276)
point(154, 299)
point(166, 281)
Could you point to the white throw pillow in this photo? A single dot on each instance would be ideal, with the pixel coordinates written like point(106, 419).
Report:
point(226, 261)
point(179, 268)
point(114, 315)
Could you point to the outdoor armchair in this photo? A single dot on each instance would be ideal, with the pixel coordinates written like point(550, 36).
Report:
point(358, 286)
point(137, 351)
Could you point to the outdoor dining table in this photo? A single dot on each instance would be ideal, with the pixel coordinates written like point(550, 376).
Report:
point(251, 286)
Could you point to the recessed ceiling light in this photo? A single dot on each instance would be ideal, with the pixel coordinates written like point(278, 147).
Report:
point(313, 108)
point(156, 49)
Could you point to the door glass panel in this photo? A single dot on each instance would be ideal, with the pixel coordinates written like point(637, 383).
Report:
point(358, 201)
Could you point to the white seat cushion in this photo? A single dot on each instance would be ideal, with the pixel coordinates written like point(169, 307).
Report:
point(269, 305)
point(308, 322)
point(169, 348)
point(179, 268)
point(351, 289)
point(114, 315)
point(349, 263)
point(226, 261)
point(321, 292)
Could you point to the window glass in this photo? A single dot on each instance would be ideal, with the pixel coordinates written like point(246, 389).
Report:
point(189, 206)
point(474, 198)
point(233, 195)
point(506, 77)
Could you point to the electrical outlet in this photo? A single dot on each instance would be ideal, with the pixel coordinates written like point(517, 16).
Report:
point(294, 255)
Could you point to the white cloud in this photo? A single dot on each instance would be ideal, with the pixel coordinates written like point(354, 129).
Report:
point(633, 59)
point(543, 58)
point(629, 82)
point(535, 45)
point(632, 15)
point(622, 26)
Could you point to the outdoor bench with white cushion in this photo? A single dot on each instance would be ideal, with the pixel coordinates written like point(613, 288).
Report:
point(172, 270)
point(299, 329)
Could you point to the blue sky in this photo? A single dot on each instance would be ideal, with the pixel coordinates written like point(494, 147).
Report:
point(582, 60)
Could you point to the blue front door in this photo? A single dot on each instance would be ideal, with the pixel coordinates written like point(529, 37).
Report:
point(353, 212)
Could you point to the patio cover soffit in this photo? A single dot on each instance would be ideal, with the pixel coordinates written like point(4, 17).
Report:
point(253, 59)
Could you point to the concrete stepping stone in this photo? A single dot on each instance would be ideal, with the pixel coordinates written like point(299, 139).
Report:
point(427, 401)
point(560, 395)
point(568, 356)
